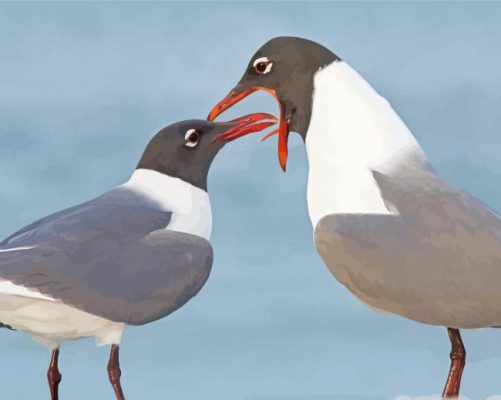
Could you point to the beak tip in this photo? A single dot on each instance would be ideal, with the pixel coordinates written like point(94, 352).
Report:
point(211, 117)
point(282, 157)
point(283, 163)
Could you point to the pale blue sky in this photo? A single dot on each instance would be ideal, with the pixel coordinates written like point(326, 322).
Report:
point(83, 86)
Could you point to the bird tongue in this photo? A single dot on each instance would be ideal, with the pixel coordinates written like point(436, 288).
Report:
point(245, 125)
point(283, 130)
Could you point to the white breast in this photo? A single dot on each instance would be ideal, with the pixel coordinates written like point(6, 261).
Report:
point(190, 205)
point(352, 131)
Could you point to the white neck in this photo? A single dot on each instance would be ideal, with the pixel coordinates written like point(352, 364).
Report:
point(352, 131)
point(190, 205)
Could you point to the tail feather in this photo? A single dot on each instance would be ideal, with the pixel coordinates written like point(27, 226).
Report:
point(2, 325)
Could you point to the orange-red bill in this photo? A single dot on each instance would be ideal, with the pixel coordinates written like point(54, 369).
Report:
point(232, 98)
point(269, 135)
point(283, 131)
point(245, 125)
point(283, 138)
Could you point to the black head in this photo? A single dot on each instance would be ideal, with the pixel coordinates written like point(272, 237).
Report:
point(284, 67)
point(186, 149)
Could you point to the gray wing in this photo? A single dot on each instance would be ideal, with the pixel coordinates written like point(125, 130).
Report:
point(119, 212)
point(111, 259)
point(444, 247)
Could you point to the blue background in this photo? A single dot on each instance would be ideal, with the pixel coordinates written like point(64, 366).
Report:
point(83, 87)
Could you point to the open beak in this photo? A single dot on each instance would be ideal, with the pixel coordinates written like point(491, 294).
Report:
point(283, 130)
point(245, 125)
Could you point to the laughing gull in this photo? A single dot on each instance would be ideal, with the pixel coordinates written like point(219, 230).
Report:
point(131, 256)
point(388, 228)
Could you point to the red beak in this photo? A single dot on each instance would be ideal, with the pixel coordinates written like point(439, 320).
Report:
point(283, 131)
point(244, 125)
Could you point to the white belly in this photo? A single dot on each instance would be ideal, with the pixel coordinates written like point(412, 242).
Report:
point(51, 322)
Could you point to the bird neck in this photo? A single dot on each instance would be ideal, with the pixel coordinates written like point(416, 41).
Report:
point(190, 205)
point(352, 131)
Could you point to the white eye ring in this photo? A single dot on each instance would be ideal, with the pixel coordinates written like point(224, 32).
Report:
point(264, 60)
point(190, 143)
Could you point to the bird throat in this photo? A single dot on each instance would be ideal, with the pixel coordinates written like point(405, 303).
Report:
point(352, 131)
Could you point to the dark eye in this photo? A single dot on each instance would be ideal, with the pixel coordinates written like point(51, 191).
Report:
point(262, 65)
point(191, 137)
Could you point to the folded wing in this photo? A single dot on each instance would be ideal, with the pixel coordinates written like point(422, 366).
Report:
point(112, 259)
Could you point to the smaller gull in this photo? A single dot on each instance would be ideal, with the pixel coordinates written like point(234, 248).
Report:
point(129, 257)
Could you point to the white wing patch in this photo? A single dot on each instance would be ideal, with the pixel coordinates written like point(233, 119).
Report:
point(17, 249)
point(7, 287)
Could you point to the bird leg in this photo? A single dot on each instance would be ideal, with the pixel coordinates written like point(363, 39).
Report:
point(458, 360)
point(53, 375)
point(114, 372)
